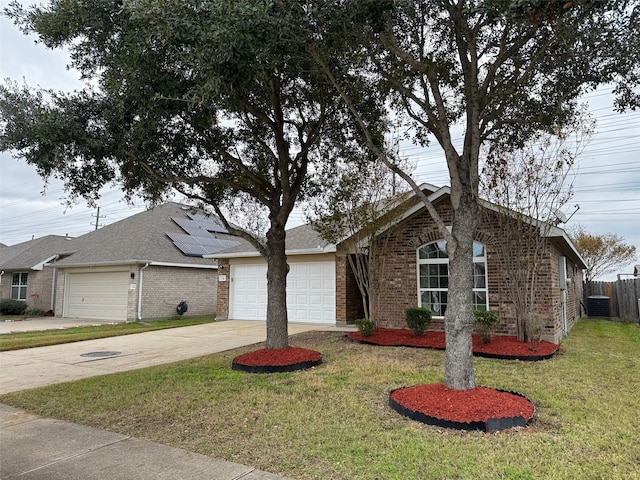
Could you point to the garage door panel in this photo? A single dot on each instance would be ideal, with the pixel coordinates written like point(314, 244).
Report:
point(101, 295)
point(248, 297)
point(310, 292)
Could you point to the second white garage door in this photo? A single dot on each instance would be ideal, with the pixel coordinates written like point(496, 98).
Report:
point(101, 295)
point(310, 292)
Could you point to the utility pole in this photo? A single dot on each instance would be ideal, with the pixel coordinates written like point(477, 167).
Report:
point(98, 217)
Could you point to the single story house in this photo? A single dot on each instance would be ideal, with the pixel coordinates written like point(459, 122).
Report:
point(321, 287)
point(142, 267)
point(23, 275)
point(138, 268)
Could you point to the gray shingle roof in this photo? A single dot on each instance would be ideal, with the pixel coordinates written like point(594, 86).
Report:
point(140, 238)
point(30, 254)
point(299, 240)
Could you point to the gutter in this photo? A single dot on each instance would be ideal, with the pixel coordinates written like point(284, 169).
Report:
point(136, 262)
point(140, 291)
point(331, 248)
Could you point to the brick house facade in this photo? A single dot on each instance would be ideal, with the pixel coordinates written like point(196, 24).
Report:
point(398, 268)
point(163, 288)
point(39, 287)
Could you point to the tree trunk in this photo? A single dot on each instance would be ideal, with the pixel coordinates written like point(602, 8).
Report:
point(459, 317)
point(277, 270)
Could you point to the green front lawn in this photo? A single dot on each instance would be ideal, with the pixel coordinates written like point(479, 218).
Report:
point(16, 341)
point(333, 421)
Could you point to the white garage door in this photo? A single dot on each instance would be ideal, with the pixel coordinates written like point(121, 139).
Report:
point(101, 295)
point(310, 292)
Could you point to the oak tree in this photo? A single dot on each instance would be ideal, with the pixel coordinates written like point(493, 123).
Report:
point(218, 100)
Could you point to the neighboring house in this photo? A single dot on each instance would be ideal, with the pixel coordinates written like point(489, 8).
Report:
point(321, 287)
point(142, 267)
point(23, 275)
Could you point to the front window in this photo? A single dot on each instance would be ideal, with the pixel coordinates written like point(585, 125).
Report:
point(433, 277)
point(19, 286)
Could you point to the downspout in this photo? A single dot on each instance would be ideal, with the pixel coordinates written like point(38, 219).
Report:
point(2, 275)
point(53, 285)
point(140, 292)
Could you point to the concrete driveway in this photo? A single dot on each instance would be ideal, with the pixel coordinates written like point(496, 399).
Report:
point(41, 366)
point(39, 448)
point(48, 323)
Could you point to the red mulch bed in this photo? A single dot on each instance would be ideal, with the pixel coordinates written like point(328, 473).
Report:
point(479, 408)
point(272, 360)
point(501, 346)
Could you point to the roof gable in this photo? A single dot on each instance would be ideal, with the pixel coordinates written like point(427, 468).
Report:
point(141, 238)
point(33, 254)
point(557, 235)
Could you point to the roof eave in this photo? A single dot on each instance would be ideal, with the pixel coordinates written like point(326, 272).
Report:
point(330, 248)
point(130, 262)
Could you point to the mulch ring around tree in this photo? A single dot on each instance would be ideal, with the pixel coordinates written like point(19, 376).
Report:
point(501, 346)
point(275, 360)
point(479, 408)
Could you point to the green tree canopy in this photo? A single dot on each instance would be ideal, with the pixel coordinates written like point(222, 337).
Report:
point(219, 101)
point(504, 70)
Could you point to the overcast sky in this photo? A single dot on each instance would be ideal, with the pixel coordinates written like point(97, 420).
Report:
point(607, 184)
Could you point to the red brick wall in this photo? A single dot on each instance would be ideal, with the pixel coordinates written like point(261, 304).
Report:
point(399, 283)
point(222, 311)
point(348, 298)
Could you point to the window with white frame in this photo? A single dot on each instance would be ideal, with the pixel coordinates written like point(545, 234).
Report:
point(19, 286)
point(433, 277)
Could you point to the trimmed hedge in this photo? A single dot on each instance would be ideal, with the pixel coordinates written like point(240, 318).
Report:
point(8, 306)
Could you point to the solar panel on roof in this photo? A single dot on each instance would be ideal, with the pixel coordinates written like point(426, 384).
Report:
point(211, 224)
point(183, 238)
point(191, 250)
point(191, 227)
point(197, 241)
point(208, 241)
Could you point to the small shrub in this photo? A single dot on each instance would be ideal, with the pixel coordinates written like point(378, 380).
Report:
point(485, 324)
point(418, 319)
point(9, 306)
point(366, 326)
point(34, 312)
point(535, 329)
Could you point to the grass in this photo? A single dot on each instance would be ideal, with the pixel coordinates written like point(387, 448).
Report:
point(333, 421)
point(17, 341)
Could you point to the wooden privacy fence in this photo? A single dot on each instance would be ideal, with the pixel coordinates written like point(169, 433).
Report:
point(624, 297)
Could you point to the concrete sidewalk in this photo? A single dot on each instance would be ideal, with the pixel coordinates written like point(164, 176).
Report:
point(32, 447)
point(36, 448)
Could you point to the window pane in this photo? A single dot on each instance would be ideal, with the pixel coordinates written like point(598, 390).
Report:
point(434, 250)
point(23, 278)
point(424, 276)
point(15, 292)
point(444, 276)
point(479, 280)
point(478, 249)
point(480, 300)
point(435, 301)
point(433, 277)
